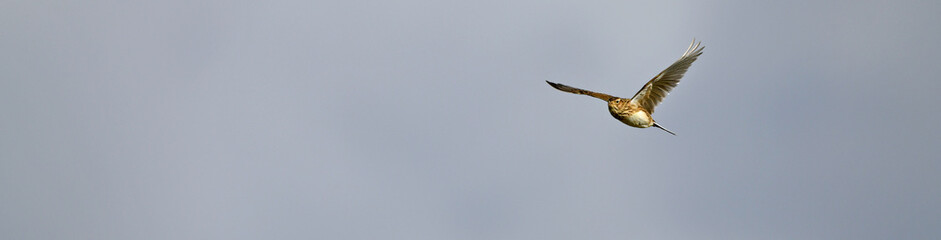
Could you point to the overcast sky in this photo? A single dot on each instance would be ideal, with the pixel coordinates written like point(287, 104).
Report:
point(432, 120)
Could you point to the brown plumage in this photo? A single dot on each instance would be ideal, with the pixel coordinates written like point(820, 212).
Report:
point(635, 111)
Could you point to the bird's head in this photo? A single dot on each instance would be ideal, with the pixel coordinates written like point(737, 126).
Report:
point(617, 102)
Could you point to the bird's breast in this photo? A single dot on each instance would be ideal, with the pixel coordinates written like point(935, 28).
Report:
point(634, 117)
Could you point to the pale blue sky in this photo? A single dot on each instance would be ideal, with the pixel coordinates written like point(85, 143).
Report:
point(432, 120)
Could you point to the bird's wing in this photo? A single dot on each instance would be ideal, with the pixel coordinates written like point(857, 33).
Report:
point(657, 88)
point(565, 88)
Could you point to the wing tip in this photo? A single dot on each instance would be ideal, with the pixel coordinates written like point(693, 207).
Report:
point(694, 48)
point(555, 85)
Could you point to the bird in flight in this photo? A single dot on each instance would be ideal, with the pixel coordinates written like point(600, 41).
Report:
point(635, 111)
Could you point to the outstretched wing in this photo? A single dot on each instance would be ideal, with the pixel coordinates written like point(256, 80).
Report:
point(657, 88)
point(565, 88)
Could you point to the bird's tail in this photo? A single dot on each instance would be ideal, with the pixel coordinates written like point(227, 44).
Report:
point(664, 129)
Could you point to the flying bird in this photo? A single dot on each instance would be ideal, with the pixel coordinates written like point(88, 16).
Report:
point(635, 111)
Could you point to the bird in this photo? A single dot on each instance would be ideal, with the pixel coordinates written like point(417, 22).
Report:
point(636, 111)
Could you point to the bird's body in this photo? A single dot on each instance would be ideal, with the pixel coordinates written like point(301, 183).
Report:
point(636, 111)
point(634, 116)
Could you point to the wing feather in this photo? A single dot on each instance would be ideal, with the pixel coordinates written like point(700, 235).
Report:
point(657, 88)
point(565, 88)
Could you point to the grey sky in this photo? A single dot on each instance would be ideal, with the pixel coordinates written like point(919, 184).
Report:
point(432, 120)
